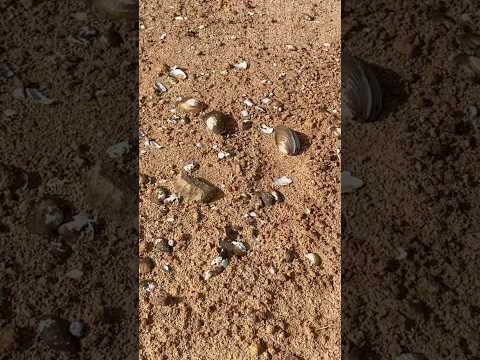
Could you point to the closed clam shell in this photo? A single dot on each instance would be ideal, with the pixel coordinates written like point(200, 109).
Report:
point(118, 9)
point(287, 140)
point(216, 122)
point(190, 105)
point(362, 97)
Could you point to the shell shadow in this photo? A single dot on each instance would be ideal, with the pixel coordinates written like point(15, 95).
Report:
point(394, 91)
point(217, 193)
point(305, 142)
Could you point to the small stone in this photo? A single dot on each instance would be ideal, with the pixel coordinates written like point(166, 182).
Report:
point(256, 348)
point(145, 265)
point(77, 328)
point(194, 190)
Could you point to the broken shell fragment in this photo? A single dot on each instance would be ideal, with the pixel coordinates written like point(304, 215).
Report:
point(350, 183)
point(282, 181)
point(216, 122)
point(361, 91)
point(242, 65)
point(239, 248)
point(159, 87)
point(190, 105)
point(278, 196)
point(287, 140)
point(313, 259)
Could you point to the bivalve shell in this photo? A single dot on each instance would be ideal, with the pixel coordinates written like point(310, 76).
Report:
point(287, 140)
point(362, 98)
point(190, 105)
point(216, 122)
point(313, 259)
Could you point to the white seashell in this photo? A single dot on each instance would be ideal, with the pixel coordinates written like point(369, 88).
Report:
point(180, 18)
point(177, 73)
point(220, 261)
point(223, 155)
point(152, 143)
point(208, 275)
point(313, 259)
point(159, 87)
point(350, 183)
point(266, 129)
point(244, 114)
point(240, 247)
point(79, 223)
point(117, 150)
point(282, 181)
point(173, 198)
point(242, 65)
point(191, 166)
point(266, 101)
point(163, 36)
point(248, 102)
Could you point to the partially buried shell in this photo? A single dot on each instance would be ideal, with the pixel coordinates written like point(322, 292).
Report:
point(362, 97)
point(190, 105)
point(287, 140)
point(469, 64)
point(216, 122)
point(118, 9)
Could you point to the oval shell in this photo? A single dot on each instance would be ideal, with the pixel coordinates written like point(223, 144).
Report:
point(216, 122)
point(313, 259)
point(361, 91)
point(287, 140)
point(190, 105)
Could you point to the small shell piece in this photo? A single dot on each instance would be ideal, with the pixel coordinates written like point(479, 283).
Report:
point(350, 183)
point(266, 129)
point(287, 140)
point(216, 122)
point(242, 65)
point(177, 73)
point(190, 105)
point(313, 259)
point(282, 181)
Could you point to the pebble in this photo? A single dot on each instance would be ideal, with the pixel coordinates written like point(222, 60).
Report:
point(194, 190)
point(77, 328)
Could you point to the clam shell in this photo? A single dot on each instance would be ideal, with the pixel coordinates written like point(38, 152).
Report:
point(361, 91)
point(216, 123)
point(190, 105)
point(287, 140)
point(177, 73)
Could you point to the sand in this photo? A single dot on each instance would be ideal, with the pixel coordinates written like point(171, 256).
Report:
point(291, 309)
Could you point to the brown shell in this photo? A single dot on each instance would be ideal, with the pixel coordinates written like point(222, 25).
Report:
point(362, 97)
point(287, 140)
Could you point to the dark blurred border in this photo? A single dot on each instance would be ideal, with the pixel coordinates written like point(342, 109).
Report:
point(410, 279)
point(68, 180)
